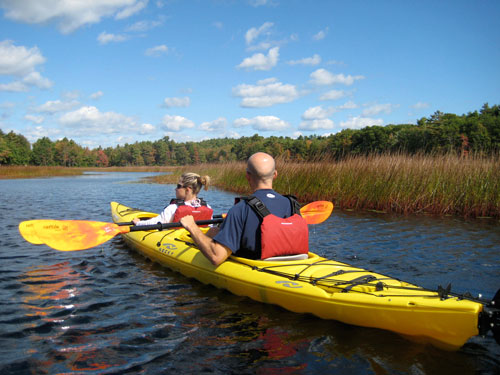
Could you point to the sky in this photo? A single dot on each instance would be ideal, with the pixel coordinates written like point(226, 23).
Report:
point(110, 72)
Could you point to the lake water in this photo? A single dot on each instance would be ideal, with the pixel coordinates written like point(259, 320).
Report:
point(108, 310)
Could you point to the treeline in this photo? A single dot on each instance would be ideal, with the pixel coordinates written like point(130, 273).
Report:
point(441, 133)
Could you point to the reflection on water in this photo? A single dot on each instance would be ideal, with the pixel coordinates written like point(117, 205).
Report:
point(109, 310)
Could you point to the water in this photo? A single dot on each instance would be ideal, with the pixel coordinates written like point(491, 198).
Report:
point(108, 310)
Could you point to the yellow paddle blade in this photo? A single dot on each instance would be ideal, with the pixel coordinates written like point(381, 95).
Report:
point(69, 235)
point(27, 230)
point(316, 212)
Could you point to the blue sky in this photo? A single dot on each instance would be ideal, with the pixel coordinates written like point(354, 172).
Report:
point(109, 72)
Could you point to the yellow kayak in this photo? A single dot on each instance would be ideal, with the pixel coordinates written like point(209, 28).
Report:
point(316, 285)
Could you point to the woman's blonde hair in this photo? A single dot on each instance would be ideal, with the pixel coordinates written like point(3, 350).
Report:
point(195, 181)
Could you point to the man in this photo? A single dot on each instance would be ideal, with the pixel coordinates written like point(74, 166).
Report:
point(240, 231)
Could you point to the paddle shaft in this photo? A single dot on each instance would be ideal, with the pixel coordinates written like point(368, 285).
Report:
point(132, 223)
point(162, 226)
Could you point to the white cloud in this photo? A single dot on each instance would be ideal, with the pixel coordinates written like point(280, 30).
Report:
point(134, 8)
point(89, 119)
point(379, 108)
point(348, 105)
point(105, 38)
point(265, 94)
point(157, 51)
point(322, 77)
point(333, 95)
point(259, 61)
point(420, 105)
point(176, 123)
point(316, 124)
point(254, 33)
point(34, 119)
point(54, 106)
point(18, 60)
point(96, 95)
point(218, 25)
point(145, 25)
point(69, 15)
point(360, 122)
point(321, 34)
point(32, 79)
point(314, 60)
point(318, 113)
point(216, 125)
point(177, 102)
point(35, 79)
point(147, 129)
point(262, 123)
point(317, 118)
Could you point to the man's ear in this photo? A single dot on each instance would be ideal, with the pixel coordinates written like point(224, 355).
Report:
point(275, 174)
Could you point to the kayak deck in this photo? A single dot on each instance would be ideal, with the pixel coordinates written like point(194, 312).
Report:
point(323, 287)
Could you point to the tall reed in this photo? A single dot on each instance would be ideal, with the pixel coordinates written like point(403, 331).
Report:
point(440, 185)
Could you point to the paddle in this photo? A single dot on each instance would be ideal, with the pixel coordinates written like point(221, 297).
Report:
point(27, 230)
point(71, 235)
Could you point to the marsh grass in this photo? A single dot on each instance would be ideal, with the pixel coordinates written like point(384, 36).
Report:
point(438, 185)
point(18, 171)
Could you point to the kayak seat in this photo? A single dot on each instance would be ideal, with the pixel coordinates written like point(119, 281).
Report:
point(286, 258)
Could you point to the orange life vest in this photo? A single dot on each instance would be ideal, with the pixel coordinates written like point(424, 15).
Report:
point(199, 213)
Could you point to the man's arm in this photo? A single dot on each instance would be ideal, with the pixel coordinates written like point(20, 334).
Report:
point(214, 251)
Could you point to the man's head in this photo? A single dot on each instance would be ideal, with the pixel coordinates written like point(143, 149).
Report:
point(261, 169)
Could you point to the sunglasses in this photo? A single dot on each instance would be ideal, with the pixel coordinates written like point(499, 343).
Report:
point(179, 186)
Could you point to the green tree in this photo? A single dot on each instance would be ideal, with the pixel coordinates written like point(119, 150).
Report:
point(43, 152)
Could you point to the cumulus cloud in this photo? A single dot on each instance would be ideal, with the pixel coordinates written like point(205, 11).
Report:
point(18, 60)
point(34, 119)
point(89, 119)
point(262, 123)
point(176, 123)
point(55, 106)
point(333, 95)
point(157, 51)
point(21, 62)
point(323, 77)
point(318, 113)
point(316, 118)
point(360, 122)
point(314, 60)
point(379, 108)
point(105, 38)
point(216, 125)
point(259, 61)
point(147, 129)
point(317, 124)
point(69, 15)
point(177, 102)
point(348, 105)
point(252, 34)
point(265, 94)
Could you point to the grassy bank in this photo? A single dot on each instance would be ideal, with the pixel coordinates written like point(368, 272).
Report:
point(439, 185)
point(7, 172)
point(17, 171)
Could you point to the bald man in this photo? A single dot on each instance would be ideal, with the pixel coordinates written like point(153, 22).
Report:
point(239, 234)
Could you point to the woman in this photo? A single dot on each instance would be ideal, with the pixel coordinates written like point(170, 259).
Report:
point(186, 202)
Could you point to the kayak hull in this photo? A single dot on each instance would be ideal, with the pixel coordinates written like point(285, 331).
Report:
point(325, 288)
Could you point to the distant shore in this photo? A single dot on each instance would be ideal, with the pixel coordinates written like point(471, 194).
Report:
point(437, 185)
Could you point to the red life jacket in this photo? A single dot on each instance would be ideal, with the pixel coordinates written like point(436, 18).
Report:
point(198, 213)
point(281, 236)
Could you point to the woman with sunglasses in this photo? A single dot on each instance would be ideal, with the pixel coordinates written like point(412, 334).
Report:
point(186, 202)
